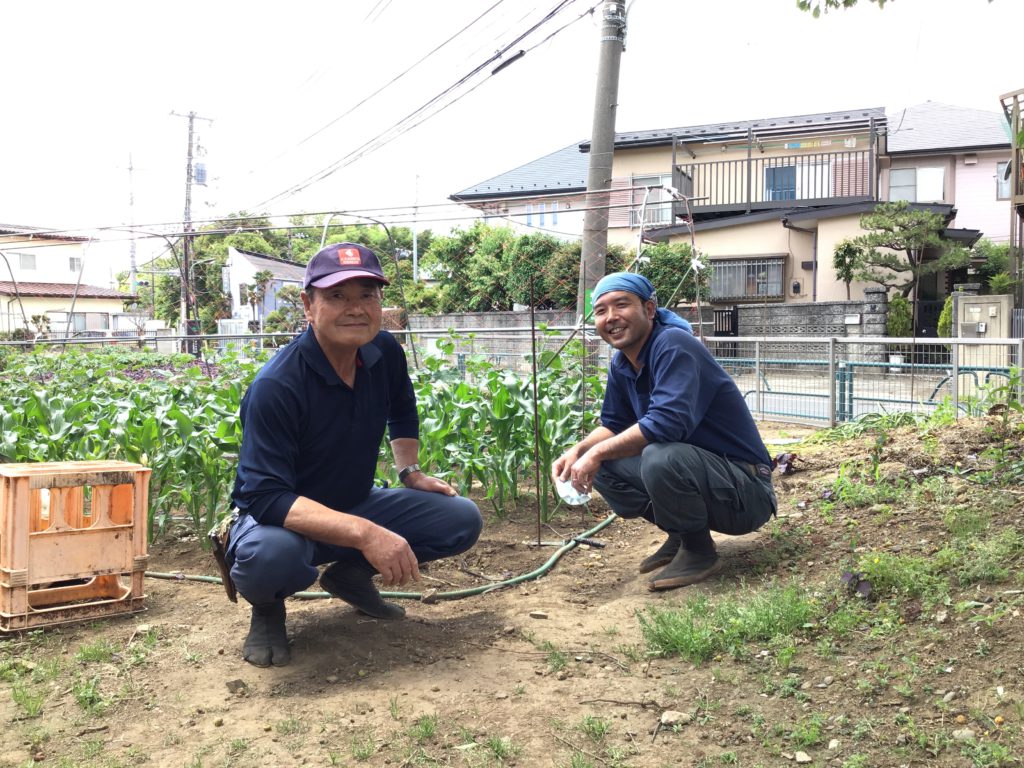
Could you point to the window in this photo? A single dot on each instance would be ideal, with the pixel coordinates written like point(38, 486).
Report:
point(917, 185)
point(75, 264)
point(554, 214)
point(529, 215)
point(542, 208)
point(27, 260)
point(659, 203)
point(1002, 181)
point(747, 278)
point(780, 183)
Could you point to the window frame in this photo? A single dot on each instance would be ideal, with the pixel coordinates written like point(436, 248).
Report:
point(749, 279)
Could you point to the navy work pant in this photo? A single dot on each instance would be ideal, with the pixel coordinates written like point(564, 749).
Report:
point(270, 563)
point(684, 489)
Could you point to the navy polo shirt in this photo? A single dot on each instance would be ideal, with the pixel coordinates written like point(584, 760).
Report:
point(681, 395)
point(307, 433)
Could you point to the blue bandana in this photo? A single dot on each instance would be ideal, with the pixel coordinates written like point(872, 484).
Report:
point(642, 287)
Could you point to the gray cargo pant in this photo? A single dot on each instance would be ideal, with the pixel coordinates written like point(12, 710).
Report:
point(684, 489)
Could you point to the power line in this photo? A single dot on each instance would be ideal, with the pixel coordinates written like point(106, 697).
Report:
point(401, 126)
point(387, 85)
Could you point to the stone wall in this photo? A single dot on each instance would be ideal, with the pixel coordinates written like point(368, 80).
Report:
point(861, 317)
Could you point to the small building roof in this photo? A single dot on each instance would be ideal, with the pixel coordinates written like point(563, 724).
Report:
point(281, 269)
point(37, 233)
point(936, 127)
point(60, 291)
point(562, 171)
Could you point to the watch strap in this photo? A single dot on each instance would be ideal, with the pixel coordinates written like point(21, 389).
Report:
point(404, 472)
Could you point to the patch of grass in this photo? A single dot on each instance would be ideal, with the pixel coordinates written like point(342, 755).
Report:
point(238, 746)
point(699, 629)
point(990, 560)
point(901, 575)
point(808, 732)
point(502, 748)
point(988, 754)
point(424, 729)
point(557, 661)
point(363, 746)
point(393, 707)
point(856, 761)
point(101, 651)
point(291, 726)
point(580, 760)
point(29, 701)
point(594, 727)
point(88, 695)
point(967, 522)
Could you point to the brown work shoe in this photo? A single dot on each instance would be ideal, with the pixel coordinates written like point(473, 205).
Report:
point(687, 567)
point(663, 555)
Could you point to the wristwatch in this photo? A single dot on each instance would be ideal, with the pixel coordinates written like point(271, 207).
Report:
point(406, 471)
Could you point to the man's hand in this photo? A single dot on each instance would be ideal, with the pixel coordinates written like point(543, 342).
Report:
point(391, 555)
point(423, 482)
point(582, 472)
point(560, 469)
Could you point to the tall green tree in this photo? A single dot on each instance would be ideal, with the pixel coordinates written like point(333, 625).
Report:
point(669, 266)
point(901, 244)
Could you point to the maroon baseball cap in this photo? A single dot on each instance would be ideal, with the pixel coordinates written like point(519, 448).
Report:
point(340, 262)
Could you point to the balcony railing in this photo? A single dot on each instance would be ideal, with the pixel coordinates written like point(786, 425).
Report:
point(775, 181)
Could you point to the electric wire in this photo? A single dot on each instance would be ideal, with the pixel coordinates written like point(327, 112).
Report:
point(387, 85)
point(402, 126)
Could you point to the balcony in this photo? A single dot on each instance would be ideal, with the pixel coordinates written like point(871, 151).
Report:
point(775, 181)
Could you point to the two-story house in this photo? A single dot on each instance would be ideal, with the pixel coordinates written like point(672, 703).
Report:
point(41, 290)
point(769, 200)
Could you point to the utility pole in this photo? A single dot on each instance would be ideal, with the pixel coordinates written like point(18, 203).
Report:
point(187, 304)
point(133, 276)
point(602, 143)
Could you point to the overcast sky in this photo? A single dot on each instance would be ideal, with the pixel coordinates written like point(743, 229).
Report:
point(90, 83)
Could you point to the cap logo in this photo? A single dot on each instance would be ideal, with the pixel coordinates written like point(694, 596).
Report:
point(348, 257)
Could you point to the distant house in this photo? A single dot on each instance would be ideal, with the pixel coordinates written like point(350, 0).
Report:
point(40, 288)
point(238, 276)
point(545, 195)
point(937, 153)
point(768, 200)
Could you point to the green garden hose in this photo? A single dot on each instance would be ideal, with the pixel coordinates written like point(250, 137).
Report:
point(428, 597)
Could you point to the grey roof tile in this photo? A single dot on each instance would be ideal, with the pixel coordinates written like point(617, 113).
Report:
point(561, 171)
point(936, 126)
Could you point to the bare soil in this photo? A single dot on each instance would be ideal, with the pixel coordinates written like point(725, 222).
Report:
point(553, 671)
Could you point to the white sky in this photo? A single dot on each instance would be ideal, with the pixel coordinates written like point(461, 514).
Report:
point(89, 83)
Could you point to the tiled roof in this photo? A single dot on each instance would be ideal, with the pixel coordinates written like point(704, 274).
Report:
point(935, 126)
point(561, 171)
point(566, 169)
point(35, 233)
point(854, 119)
point(279, 268)
point(60, 290)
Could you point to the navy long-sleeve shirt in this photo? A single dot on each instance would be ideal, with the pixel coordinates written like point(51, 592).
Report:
point(307, 433)
point(681, 395)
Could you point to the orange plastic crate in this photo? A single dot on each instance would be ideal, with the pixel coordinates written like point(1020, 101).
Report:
point(72, 541)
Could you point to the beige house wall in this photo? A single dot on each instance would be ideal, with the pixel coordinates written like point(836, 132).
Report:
point(771, 238)
point(11, 317)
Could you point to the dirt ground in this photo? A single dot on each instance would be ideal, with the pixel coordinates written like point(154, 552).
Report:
point(549, 672)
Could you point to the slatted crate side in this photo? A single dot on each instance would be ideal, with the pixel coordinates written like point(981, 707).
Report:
point(62, 560)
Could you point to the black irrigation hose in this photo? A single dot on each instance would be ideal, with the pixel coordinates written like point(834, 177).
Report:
point(427, 597)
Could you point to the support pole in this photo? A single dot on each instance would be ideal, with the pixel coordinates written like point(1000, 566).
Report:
point(602, 144)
